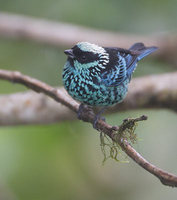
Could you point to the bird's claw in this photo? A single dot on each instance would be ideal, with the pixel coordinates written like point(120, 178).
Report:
point(97, 118)
point(115, 128)
point(83, 108)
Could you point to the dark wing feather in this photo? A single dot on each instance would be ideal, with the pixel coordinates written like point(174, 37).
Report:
point(138, 51)
point(123, 63)
point(115, 75)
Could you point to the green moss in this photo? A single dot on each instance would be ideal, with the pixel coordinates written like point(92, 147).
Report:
point(111, 149)
point(126, 131)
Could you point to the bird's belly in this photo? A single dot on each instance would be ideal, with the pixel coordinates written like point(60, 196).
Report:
point(97, 94)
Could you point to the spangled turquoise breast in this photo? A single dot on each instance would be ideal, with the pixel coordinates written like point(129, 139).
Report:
point(87, 87)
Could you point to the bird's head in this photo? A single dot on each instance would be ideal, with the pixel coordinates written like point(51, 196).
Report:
point(85, 55)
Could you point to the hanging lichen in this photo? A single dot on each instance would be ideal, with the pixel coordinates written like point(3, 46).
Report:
point(126, 131)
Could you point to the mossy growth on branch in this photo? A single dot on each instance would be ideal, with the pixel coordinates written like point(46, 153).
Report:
point(126, 131)
point(111, 149)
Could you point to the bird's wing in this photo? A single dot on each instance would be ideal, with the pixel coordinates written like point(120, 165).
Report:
point(115, 75)
point(116, 70)
point(126, 63)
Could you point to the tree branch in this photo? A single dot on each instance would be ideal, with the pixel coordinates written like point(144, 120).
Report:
point(155, 91)
point(62, 34)
point(32, 108)
point(38, 86)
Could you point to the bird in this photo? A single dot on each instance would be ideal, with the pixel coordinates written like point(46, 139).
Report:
point(98, 76)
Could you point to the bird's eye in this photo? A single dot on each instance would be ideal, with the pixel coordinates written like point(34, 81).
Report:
point(83, 57)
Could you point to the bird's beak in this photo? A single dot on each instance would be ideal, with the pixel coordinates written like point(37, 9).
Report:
point(69, 52)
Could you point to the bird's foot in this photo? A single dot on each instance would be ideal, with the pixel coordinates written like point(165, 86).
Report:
point(79, 113)
point(115, 128)
point(83, 109)
point(88, 109)
point(97, 118)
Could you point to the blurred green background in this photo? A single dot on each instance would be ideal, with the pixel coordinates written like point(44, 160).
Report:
point(64, 161)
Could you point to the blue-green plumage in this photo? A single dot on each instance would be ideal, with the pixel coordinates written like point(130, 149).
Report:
point(99, 76)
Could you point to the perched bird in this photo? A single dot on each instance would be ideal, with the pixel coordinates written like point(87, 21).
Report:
point(99, 76)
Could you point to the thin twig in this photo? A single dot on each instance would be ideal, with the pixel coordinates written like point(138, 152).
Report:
point(36, 85)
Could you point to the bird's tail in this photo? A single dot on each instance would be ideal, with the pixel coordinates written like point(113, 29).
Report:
point(139, 51)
